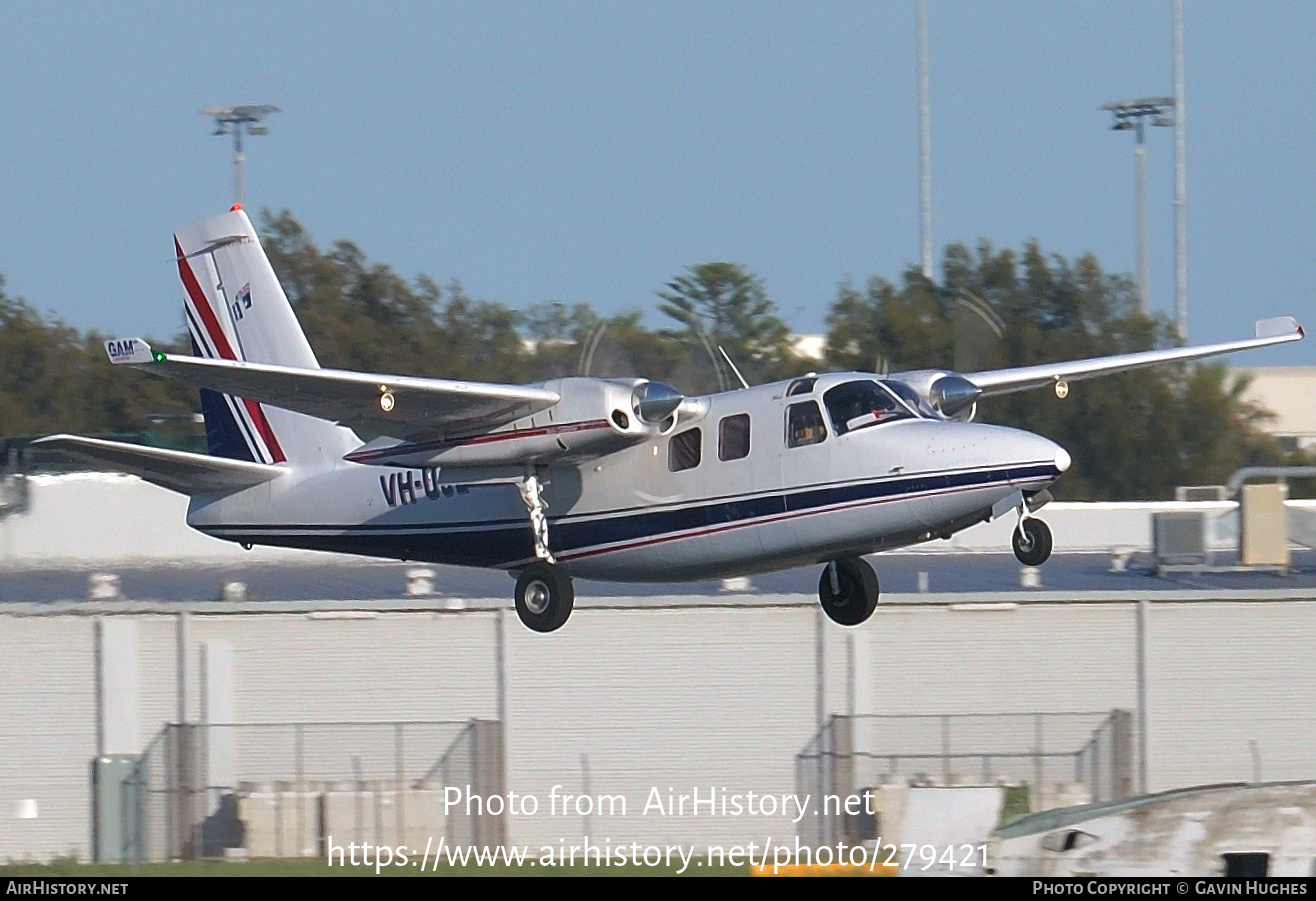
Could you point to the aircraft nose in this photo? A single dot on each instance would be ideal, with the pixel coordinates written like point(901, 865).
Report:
point(1062, 458)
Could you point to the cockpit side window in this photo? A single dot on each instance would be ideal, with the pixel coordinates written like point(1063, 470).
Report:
point(861, 403)
point(804, 424)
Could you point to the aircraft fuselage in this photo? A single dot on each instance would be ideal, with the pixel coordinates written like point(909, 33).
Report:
point(743, 486)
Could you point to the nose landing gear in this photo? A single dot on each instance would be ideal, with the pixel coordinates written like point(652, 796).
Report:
point(1032, 542)
point(848, 591)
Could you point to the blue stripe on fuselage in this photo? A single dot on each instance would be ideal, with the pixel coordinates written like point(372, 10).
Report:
point(503, 543)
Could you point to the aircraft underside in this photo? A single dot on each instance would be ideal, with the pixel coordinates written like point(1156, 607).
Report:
point(832, 524)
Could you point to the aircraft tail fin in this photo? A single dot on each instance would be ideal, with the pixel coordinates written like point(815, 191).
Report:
point(237, 310)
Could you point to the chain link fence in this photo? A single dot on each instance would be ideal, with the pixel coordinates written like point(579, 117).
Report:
point(285, 790)
point(1059, 758)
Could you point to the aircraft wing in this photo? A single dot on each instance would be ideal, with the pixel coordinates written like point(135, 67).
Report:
point(401, 406)
point(1004, 381)
point(180, 471)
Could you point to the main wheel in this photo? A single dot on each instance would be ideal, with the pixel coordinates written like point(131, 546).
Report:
point(1032, 542)
point(854, 597)
point(544, 597)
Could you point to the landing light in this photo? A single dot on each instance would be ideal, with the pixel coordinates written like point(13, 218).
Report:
point(1062, 389)
point(386, 401)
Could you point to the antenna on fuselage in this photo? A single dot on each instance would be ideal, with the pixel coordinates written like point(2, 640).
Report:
point(725, 356)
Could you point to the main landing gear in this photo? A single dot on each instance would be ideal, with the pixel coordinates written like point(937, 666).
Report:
point(544, 594)
point(848, 591)
point(544, 597)
point(1032, 541)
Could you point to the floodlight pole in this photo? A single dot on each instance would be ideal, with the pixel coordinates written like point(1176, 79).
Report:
point(1128, 117)
point(924, 143)
point(234, 120)
point(1180, 186)
point(238, 160)
point(1140, 163)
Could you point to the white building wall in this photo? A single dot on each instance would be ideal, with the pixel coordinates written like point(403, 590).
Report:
point(677, 701)
point(47, 735)
point(1224, 676)
point(680, 698)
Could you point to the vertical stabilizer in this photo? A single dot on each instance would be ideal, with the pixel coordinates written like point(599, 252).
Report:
point(236, 310)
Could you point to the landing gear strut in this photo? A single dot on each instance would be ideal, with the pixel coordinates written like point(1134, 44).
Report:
point(1032, 542)
point(544, 597)
point(848, 591)
point(532, 493)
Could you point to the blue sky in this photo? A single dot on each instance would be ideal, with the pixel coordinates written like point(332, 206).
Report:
point(590, 151)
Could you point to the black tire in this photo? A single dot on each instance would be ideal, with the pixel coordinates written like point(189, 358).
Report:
point(544, 597)
point(1032, 542)
point(857, 598)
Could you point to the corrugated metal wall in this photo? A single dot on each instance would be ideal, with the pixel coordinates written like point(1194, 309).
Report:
point(672, 698)
point(47, 735)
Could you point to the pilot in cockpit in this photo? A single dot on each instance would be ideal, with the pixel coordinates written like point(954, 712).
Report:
point(857, 404)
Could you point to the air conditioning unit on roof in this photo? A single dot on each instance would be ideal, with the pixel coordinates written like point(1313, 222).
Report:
point(1201, 493)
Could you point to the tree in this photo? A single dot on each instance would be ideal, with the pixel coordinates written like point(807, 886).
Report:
point(884, 329)
point(364, 316)
point(54, 379)
point(721, 305)
point(1131, 436)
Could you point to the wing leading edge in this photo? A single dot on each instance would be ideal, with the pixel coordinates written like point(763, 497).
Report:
point(1003, 381)
point(400, 406)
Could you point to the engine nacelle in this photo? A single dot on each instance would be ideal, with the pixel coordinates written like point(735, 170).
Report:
point(949, 394)
point(594, 417)
point(653, 402)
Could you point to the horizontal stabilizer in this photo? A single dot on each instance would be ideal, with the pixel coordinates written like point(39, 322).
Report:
point(186, 473)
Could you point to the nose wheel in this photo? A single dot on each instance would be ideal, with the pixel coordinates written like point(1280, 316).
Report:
point(1032, 542)
point(544, 597)
point(848, 591)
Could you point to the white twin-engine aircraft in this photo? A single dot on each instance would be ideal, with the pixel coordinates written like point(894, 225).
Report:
point(613, 479)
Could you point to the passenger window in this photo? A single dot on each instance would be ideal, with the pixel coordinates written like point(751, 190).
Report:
point(733, 437)
point(683, 450)
point(804, 424)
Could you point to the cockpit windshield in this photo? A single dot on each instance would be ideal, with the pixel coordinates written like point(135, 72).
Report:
point(861, 403)
point(912, 398)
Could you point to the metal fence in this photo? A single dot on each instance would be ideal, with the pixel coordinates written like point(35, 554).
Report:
point(1061, 758)
point(305, 789)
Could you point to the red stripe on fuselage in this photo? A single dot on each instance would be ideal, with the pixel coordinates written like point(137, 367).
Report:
point(224, 349)
point(440, 446)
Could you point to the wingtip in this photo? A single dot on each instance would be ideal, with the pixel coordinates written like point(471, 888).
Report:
point(1280, 327)
point(131, 351)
